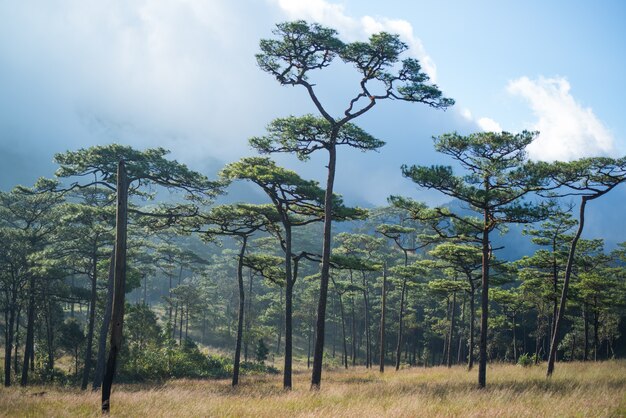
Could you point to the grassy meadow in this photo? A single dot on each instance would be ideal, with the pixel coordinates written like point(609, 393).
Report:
point(576, 389)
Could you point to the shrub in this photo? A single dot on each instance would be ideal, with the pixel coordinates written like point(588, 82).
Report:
point(526, 360)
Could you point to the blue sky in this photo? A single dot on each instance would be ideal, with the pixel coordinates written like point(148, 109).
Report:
point(182, 75)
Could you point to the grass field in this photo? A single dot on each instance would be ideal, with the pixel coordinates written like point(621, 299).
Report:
point(578, 389)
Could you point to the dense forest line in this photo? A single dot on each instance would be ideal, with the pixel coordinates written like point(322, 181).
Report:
point(206, 290)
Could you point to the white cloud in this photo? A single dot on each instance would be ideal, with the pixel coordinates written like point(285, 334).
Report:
point(334, 15)
point(567, 129)
point(489, 125)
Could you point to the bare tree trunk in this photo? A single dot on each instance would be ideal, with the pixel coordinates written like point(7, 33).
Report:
point(451, 331)
point(470, 347)
point(318, 354)
point(586, 327)
point(400, 321)
point(382, 320)
point(241, 312)
point(482, 361)
point(353, 323)
point(119, 287)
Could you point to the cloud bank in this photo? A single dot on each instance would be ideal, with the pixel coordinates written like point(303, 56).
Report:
point(568, 130)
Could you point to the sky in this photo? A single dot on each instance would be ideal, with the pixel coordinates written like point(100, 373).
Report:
point(182, 75)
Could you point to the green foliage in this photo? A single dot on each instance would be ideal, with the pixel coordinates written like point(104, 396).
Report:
point(261, 351)
point(526, 360)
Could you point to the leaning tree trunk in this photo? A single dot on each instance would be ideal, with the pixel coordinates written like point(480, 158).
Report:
point(104, 327)
point(242, 301)
point(119, 286)
point(568, 273)
point(318, 353)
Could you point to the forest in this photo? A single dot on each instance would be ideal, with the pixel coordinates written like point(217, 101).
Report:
point(129, 268)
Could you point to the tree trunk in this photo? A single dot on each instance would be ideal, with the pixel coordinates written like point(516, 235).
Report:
point(8, 345)
point(586, 331)
point(92, 320)
point(353, 323)
point(242, 301)
point(459, 354)
point(382, 319)
point(568, 273)
point(318, 354)
point(482, 361)
point(514, 341)
point(248, 318)
point(119, 286)
point(30, 332)
point(368, 343)
point(470, 348)
point(451, 331)
point(400, 320)
point(343, 330)
point(288, 307)
point(595, 335)
point(104, 327)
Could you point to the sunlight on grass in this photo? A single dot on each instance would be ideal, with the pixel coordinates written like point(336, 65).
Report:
point(578, 389)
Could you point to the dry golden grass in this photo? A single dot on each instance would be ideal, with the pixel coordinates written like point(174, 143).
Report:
point(578, 389)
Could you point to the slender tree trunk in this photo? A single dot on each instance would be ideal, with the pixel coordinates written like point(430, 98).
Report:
point(400, 320)
point(568, 273)
point(30, 332)
point(119, 286)
point(343, 329)
point(514, 340)
point(368, 343)
point(242, 301)
point(482, 361)
point(586, 331)
point(595, 335)
point(92, 320)
point(382, 319)
point(470, 347)
point(451, 331)
point(104, 327)
point(248, 318)
point(8, 345)
point(288, 307)
point(459, 354)
point(318, 355)
point(353, 323)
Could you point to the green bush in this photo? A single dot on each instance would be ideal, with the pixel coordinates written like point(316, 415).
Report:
point(526, 360)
